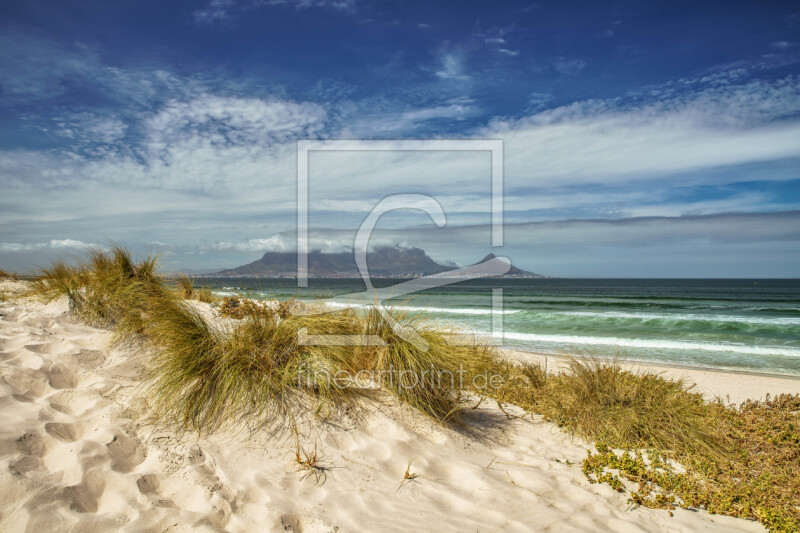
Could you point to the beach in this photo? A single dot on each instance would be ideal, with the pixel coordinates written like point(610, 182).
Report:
point(730, 386)
point(77, 454)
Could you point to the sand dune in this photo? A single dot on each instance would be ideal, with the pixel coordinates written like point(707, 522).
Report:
point(77, 455)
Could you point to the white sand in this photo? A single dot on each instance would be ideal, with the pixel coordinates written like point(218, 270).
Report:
point(75, 456)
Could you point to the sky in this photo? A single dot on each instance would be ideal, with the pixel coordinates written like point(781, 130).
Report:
point(641, 139)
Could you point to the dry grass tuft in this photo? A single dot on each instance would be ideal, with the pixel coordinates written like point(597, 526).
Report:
point(600, 401)
point(429, 380)
point(186, 289)
point(4, 274)
point(251, 373)
point(185, 286)
point(206, 296)
point(310, 463)
point(106, 289)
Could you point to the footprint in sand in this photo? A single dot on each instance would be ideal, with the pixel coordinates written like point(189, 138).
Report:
point(32, 447)
point(148, 485)
point(126, 453)
point(32, 444)
point(27, 463)
point(306, 524)
point(64, 431)
point(28, 384)
point(46, 348)
point(62, 377)
point(88, 359)
point(86, 495)
point(224, 501)
point(205, 468)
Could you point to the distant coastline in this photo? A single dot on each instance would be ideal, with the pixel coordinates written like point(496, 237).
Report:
point(384, 262)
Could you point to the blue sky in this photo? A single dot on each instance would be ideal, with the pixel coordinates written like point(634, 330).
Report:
point(642, 139)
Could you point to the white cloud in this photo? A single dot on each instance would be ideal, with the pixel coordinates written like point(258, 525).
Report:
point(276, 243)
point(403, 122)
point(231, 121)
point(605, 142)
point(90, 128)
point(452, 67)
point(71, 243)
point(54, 244)
point(508, 52)
point(215, 10)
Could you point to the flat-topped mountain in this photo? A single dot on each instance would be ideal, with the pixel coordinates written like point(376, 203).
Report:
point(385, 261)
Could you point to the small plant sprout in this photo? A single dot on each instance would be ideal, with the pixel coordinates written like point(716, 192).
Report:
point(408, 476)
point(309, 464)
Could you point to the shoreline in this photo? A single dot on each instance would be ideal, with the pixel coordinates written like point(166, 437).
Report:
point(735, 387)
point(665, 365)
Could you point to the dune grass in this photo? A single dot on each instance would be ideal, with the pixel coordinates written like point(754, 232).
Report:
point(599, 401)
point(206, 296)
point(106, 289)
point(185, 286)
point(5, 274)
point(759, 479)
point(249, 373)
point(429, 380)
point(672, 448)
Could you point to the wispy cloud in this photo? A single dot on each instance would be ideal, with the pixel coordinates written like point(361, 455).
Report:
point(569, 67)
point(407, 121)
point(593, 141)
point(452, 67)
point(218, 10)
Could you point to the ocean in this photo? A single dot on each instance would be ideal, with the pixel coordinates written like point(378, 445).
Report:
point(751, 325)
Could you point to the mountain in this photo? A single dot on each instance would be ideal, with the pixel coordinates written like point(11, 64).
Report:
point(514, 272)
point(383, 262)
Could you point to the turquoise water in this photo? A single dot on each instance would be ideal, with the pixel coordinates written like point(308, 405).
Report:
point(734, 324)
